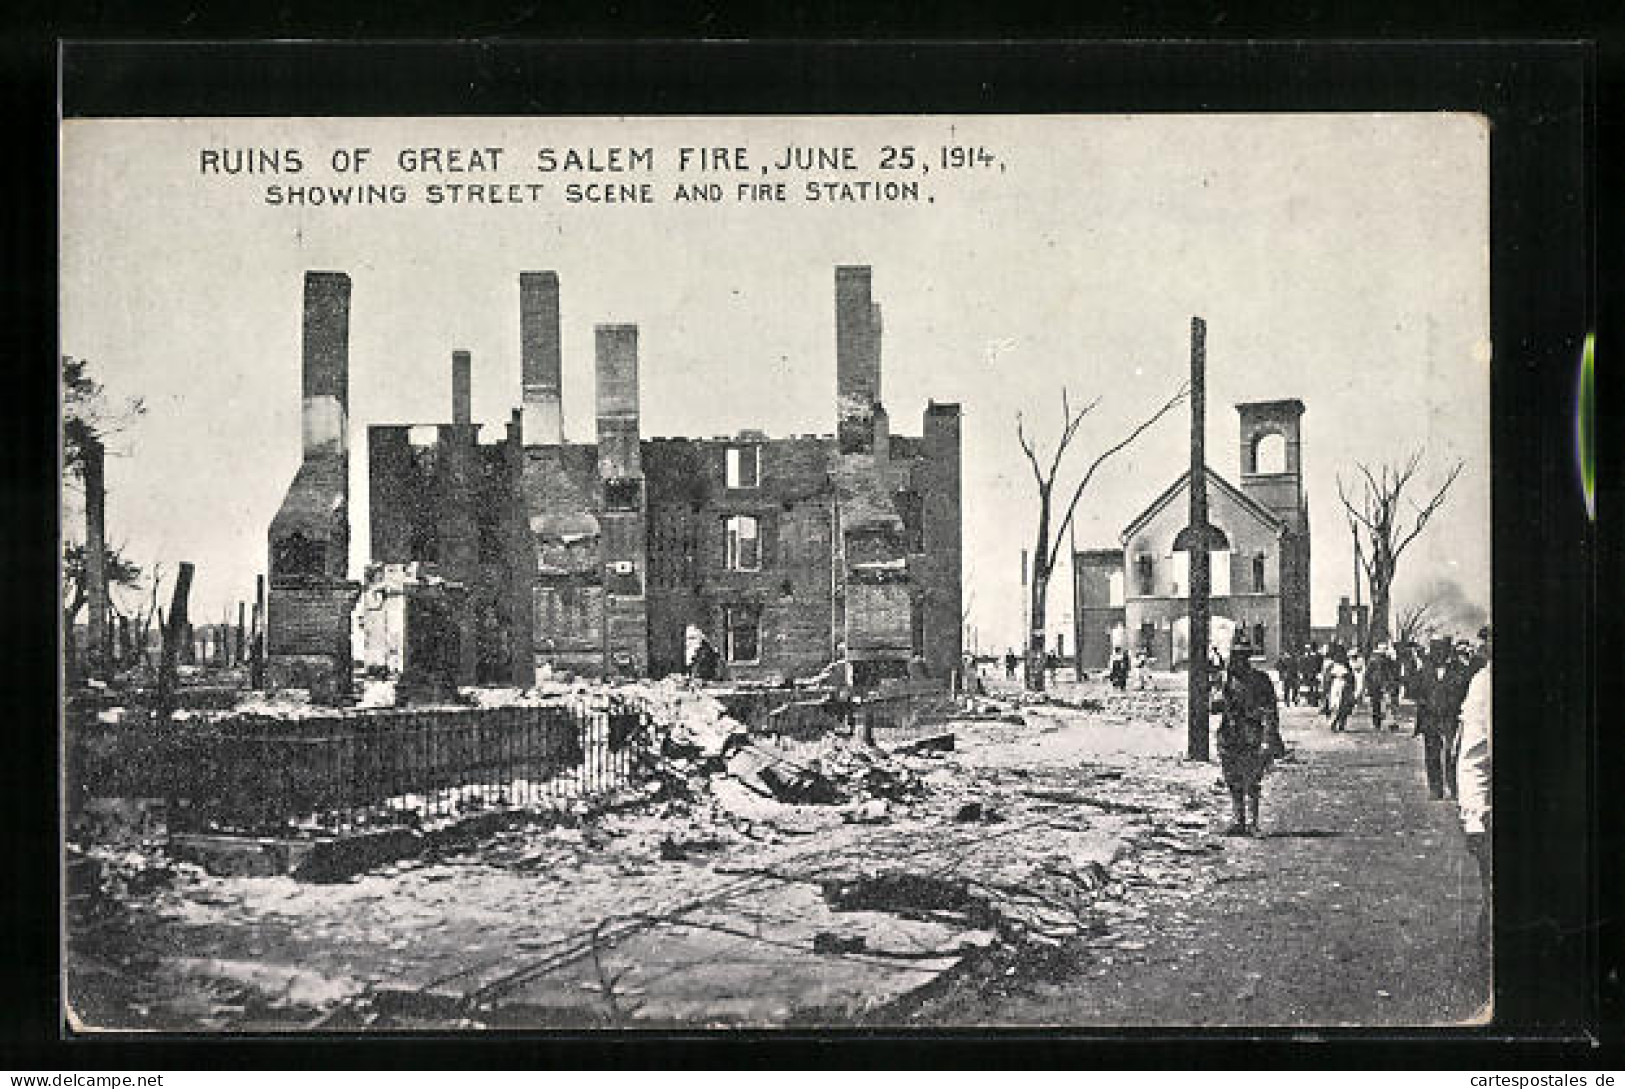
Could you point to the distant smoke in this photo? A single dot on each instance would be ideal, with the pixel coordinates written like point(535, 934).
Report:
point(1449, 610)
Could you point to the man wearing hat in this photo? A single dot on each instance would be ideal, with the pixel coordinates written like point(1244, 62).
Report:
point(1249, 735)
point(1440, 687)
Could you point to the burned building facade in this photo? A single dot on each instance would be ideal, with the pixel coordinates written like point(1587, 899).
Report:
point(595, 558)
point(1136, 595)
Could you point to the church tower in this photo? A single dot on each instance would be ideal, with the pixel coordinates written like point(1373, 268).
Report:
point(1272, 476)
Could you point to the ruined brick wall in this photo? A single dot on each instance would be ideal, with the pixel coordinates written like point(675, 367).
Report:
point(449, 504)
point(310, 620)
point(563, 501)
point(1092, 573)
point(689, 580)
point(939, 589)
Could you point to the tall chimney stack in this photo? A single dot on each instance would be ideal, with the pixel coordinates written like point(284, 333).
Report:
point(326, 363)
point(541, 359)
point(462, 411)
point(857, 358)
point(616, 351)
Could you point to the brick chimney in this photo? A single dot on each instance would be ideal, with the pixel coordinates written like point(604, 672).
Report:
point(461, 388)
point(541, 358)
point(857, 358)
point(623, 541)
point(326, 363)
point(616, 351)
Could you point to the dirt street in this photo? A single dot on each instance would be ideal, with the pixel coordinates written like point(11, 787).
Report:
point(1357, 906)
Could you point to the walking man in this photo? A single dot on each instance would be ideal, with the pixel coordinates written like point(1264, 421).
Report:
point(1340, 691)
point(1440, 688)
point(1288, 667)
point(1249, 736)
point(1381, 680)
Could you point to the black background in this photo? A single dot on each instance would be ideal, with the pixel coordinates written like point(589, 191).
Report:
point(1558, 991)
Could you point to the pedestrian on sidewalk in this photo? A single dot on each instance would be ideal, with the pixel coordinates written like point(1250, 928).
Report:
point(1287, 665)
point(1473, 777)
point(1339, 688)
point(1249, 736)
point(1309, 666)
point(1010, 665)
point(1381, 681)
point(1328, 659)
point(1440, 688)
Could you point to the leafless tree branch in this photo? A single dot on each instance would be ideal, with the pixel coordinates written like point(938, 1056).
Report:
point(1077, 493)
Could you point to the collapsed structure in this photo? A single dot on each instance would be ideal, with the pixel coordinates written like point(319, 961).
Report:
point(595, 558)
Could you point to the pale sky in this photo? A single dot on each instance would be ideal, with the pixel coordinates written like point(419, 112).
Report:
point(1338, 259)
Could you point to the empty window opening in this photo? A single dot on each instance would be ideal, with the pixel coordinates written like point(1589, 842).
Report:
point(744, 543)
point(744, 466)
point(1258, 573)
point(743, 632)
point(1269, 454)
point(623, 493)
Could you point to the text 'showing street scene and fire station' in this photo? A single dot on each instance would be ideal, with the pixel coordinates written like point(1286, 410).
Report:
point(718, 572)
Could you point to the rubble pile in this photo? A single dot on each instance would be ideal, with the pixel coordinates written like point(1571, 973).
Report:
point(1162, 708)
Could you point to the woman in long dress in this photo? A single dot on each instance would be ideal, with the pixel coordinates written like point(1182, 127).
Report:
point(1340, 689)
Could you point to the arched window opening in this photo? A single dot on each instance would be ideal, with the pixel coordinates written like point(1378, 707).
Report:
point(1269, 454)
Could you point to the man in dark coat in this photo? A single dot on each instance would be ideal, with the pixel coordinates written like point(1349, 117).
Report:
point(1439, 688)
point(1382, 681)
point(1249, 736)
point(1288, 667)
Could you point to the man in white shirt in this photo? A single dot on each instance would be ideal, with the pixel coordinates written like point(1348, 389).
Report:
point(1473, 776)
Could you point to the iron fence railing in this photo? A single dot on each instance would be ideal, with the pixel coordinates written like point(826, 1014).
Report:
point(254, 775)
point(248, 775)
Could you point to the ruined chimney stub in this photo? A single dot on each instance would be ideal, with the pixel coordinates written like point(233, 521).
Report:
point(462, 393)
point(616, 350)
point(541, 358)
point(326, 362)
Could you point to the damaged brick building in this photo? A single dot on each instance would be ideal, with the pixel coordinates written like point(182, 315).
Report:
point(595, 558)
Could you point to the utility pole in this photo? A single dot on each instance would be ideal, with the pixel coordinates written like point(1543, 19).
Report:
point(1196, 667)
point(1026, 635)
point(1077, 606)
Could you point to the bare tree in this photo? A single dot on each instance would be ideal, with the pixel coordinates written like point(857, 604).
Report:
point(1413, 621)
point(1384, 529)
point(88, 569)
point(1048, 538)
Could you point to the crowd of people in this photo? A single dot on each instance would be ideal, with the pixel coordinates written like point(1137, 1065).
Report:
point(1435, 680)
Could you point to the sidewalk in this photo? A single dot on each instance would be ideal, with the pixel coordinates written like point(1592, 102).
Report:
point(1357, 906)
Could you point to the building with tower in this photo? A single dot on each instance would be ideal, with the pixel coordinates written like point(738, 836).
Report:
point(1136, 595)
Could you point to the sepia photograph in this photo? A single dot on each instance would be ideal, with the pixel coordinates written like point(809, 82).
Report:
point(819, 571)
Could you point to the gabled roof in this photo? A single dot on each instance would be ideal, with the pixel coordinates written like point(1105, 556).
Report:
point(1252, 506)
